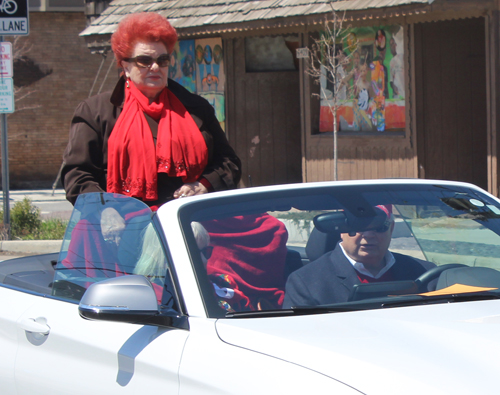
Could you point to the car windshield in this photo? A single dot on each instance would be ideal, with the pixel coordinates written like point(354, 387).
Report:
point(296, 249)
point(111, 235)
point(344, 247)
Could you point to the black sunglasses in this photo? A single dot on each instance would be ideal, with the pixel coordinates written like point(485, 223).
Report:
point(145, 61)
point(384, 228)
point(381, 229)
point(207, 252)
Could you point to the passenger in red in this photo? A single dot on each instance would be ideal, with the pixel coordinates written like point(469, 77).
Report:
point(249, 254)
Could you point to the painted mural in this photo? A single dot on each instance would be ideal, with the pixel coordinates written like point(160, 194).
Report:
point(198, 65)
point(370, 82)
point(182, 68)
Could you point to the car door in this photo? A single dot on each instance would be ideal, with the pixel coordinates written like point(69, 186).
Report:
point(59, 352)
point(79, 356)
point(14, 303)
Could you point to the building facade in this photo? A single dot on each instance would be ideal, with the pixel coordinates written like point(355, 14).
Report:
point(53, 72)
point(420, 98)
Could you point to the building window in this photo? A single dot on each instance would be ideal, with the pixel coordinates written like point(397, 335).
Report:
point(56, 5)
point(271, 53)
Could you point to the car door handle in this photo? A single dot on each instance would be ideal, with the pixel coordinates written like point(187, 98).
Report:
point(35, 325)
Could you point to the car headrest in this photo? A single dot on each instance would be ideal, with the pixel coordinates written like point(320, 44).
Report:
point(319, 243)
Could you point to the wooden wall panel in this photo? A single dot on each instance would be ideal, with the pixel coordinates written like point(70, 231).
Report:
point(290, 113)
point(251, 104)
point(264, 119)
point(266, 114)
point(451, 98)
point(493, 103)
point(358, 162)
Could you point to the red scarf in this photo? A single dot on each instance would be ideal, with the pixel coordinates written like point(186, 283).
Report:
point(133, 160)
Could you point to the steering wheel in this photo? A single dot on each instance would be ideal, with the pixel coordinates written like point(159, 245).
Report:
point(424, 279)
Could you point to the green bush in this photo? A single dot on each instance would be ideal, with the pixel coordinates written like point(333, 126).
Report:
point(24, 218)
point(27, 224)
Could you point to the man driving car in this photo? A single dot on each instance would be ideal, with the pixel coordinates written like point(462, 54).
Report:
point(360, 257)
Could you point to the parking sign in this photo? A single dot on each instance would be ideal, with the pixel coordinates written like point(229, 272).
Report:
point(6, 60)
point(6, 95)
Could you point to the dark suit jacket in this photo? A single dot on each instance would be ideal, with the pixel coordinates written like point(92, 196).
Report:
point(330, 278)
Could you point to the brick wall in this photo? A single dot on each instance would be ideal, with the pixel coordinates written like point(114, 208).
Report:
point(57, 71)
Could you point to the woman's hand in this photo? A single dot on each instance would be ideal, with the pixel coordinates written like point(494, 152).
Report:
point(190, 189)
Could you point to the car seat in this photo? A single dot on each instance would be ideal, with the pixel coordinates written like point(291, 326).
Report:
point(319, 243)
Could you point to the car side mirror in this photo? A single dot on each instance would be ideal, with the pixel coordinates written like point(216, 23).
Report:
point(129, 299)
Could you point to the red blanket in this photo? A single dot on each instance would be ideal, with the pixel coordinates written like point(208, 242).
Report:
point(250, 251)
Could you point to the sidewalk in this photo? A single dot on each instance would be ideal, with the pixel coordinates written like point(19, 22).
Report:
point(10, 249)
point(37, 195)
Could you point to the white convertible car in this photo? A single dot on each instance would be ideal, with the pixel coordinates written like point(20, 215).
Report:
point(250, 292)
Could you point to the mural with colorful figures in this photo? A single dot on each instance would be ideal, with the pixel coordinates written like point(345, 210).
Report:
point(182, 68)
point(370, 82)
point(198, 65)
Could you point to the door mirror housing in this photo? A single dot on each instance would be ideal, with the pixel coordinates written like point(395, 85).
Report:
point(129, 299)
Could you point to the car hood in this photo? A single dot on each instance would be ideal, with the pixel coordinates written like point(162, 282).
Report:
point(438, 349)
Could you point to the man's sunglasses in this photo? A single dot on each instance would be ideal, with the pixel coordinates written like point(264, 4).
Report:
point(207, 252)
point(381, 229)
point(145, 61)
point(384, 228)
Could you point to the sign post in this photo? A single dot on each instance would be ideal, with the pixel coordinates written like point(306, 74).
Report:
point(6, 106)
point(14, 21)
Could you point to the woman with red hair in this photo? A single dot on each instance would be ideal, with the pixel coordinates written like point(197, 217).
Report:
point(150, 138)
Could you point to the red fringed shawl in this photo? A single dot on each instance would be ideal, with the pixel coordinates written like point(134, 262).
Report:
point(133, 159)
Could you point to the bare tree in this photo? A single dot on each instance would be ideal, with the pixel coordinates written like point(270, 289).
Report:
point(327, 61)
point(21, 47)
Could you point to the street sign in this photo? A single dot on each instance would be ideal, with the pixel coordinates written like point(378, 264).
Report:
point(14, 18)
point(6, 95)
point(6, 60)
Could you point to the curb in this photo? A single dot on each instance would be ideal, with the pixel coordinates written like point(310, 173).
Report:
point(31, 246)
point(37, 196)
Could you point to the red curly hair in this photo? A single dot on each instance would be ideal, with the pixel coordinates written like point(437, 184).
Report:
point(144, 26)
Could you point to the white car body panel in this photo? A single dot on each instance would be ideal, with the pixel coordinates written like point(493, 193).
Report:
point(114, 357)
point(370, 351)
point(13, 305)
point(210, 366)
